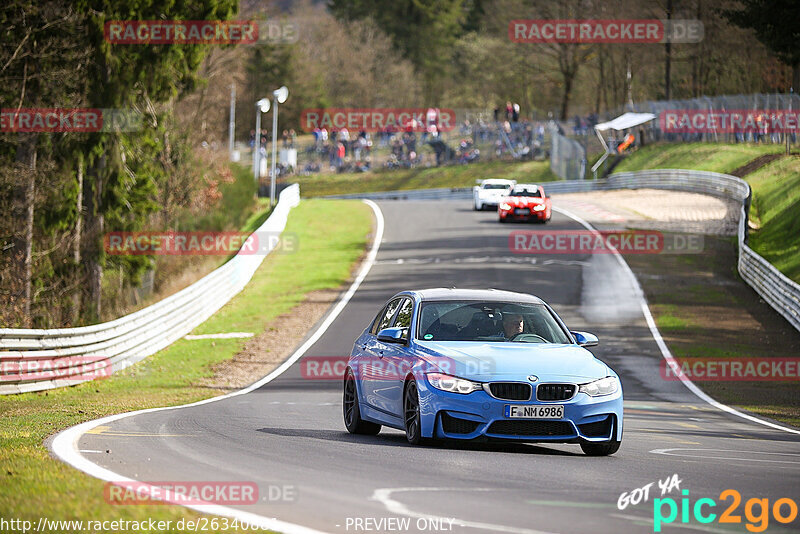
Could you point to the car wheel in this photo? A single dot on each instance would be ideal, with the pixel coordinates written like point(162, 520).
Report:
point(351, 412)
point(604, 448)
point(601, 449)
point(477, 206)
point(503, 219)
point(412, 417)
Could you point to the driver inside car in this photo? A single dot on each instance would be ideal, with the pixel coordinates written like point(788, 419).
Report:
point(512, 325)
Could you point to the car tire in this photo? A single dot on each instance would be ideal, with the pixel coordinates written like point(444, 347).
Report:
point(601, 449)
point(351, 411)
point(606, 448)
point(477, 206)
point(503, 219)
point(412, 418)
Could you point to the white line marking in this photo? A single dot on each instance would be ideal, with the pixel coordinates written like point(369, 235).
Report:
point(666, 452)
point(651, 324)
point(228, 335)
point(90, 450)
point(65, 444)
point(384, 496)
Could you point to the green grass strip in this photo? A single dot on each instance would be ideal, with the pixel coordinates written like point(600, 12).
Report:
point(331, 236)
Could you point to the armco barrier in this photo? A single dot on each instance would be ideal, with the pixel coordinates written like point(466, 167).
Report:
point(776, 289)
point(119, 343)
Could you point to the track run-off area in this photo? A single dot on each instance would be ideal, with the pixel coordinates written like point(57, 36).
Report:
point(285, 433)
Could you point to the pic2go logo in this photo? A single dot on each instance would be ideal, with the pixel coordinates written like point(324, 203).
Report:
point(758, 522)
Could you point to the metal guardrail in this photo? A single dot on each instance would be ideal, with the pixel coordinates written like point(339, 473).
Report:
point(773, 286)
point(114, 345)
point(459, 193)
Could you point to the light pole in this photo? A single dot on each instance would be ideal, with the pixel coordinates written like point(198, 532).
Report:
point(262, 106)
point(232, 122)
point(279, 96)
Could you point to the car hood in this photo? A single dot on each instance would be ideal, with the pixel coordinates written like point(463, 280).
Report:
point(485, 362)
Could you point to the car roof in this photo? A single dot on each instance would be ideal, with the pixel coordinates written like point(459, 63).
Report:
point(489, 295)
point(532, 187)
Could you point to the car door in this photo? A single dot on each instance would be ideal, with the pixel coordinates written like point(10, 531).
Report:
point(397, 361)
point(371, 364)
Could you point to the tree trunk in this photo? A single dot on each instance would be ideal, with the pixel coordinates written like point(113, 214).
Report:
point(76, 247)
point(92, 237)
point(22, 216)
point(668, 59)
point(568, 77)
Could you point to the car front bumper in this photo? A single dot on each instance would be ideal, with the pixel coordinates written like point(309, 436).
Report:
point(533, 215)
point(478, 415)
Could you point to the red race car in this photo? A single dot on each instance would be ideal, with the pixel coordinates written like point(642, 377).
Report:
point(525, 202)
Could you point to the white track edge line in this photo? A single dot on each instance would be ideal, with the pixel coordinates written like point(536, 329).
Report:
point(65, 443)
point(665, 352)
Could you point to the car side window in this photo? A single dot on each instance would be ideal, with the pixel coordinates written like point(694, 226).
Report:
point(386, 318)
point(403, 319)
point(376, 322)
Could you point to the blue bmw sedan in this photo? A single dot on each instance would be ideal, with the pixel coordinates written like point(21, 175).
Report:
point(480, 364)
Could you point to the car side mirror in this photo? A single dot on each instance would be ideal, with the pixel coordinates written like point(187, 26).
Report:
point(392, 335)
point(585, 339)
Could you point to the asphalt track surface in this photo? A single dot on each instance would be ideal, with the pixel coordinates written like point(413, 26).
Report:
point(290, 431)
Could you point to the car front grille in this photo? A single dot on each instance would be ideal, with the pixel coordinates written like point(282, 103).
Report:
point(456, 425)
point(531, 428)
point(555, 392)
point(510, 391)
point(598, 429)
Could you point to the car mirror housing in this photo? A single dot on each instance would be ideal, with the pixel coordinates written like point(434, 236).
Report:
point(585, 339)
point(393, 335)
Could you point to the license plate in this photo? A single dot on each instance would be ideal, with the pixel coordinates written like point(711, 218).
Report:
point(522, 411)
point(522, 211)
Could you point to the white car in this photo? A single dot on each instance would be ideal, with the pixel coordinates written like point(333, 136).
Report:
point(489, 193)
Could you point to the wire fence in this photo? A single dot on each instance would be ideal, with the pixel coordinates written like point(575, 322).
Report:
point(761, 106)
point(567, 157)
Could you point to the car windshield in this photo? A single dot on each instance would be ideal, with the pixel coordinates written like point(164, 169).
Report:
point(489, 322)
point(495, 186)
point(526, 193)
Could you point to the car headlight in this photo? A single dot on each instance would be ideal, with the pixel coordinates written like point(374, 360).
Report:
point(452, 384)
point(604, 386)
point(539, 207)
point(505, 206)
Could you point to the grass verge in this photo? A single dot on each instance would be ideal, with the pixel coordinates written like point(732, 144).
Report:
point(316, 185)
point(775, 211)
point(716, 157)
point(704, 310)
point(331, 235)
